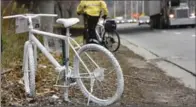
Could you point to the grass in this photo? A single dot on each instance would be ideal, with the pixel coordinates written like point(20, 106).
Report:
point(12, 56)
point(12, 43)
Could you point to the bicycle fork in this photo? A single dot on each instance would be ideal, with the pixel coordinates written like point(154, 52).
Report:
point(28, 45)
point(25, 54)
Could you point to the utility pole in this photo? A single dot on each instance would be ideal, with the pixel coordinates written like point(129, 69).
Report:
point(125, 4)
point(114, 8)
point(142, 7)
point(137, 3)
point(131, 8)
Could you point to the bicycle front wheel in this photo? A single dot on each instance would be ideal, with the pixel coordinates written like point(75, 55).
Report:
point(98, 74)
point(111, 40)
point(29, 72)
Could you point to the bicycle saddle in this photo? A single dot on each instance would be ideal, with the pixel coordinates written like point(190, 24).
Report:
point(67, 22)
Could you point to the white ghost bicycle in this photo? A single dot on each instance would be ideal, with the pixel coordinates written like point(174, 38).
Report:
point(95, 70)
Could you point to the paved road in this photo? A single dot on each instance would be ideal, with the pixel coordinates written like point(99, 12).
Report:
point(175, 45)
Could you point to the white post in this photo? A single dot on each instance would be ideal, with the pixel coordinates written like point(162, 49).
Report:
point(114, 9)
point(125, 4)
point(137, 3)
point(142, 7)
point(131, 8)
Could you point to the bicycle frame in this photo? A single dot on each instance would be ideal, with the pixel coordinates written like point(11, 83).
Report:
point(36, 43)
point(101, 27)
point(30, 50)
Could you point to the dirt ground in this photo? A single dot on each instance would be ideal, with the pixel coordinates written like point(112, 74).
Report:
point(145, 85)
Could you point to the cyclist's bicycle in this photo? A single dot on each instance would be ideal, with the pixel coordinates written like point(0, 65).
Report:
point(95, 70)
point(107, 34)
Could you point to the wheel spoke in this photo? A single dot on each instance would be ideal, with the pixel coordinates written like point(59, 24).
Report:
point(96, 85)
point(110, 72)
point(92, 84)
point(100, 85)
point(91, 88)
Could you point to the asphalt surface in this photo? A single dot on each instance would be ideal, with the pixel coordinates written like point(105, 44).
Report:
point(175, 45)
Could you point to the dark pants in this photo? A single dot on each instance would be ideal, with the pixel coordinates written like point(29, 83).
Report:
point(90, 23)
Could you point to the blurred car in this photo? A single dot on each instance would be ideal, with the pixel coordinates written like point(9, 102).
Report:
point(143, 20)
point(134, 20)
point(123, 20)
point(130, 20)
point(118, 19)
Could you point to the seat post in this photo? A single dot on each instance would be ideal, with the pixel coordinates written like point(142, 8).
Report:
point(67, 31)
point(66, 62)
point(67, 47)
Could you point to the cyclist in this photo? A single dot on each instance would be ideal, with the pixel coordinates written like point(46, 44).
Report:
point(91, 10)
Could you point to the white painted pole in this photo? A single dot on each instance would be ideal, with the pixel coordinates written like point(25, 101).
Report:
point(142, 7)
point(131, 8)
point(114, 9)
point(125, 5)
point(137, 7)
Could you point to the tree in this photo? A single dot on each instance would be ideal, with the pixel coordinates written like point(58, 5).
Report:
point(47, 22)
point(66, 8)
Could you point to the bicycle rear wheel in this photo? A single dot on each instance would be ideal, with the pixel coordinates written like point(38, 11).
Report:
point(111, 40)
point(29, 72)
point(104, 82)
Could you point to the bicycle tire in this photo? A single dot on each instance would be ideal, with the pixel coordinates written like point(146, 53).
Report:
point(111, 39)
point(29, 72)
point(119, 80)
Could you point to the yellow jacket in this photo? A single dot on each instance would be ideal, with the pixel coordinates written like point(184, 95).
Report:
point(92, 7)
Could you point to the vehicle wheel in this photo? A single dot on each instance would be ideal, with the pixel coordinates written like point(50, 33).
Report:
point(166, 24)
point(29, 72)
point(101, 81)
point(161, 23)
point(111, 40)
point(193, 26)
point(152, 22)
point(157, 22)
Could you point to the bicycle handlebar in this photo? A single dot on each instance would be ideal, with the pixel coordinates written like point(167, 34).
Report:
point(12, 16)
point(30, 16)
